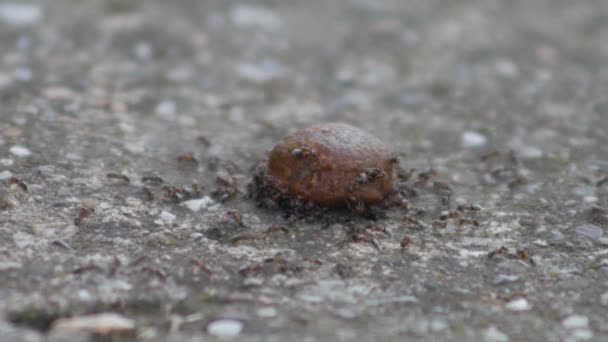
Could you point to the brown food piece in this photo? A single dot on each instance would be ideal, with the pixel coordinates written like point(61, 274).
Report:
point(332, 164)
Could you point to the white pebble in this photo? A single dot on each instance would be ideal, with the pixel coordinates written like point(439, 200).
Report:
point(530, 152)
point(20, 151)
point(167, 217)
point(166, 109)
point(5, 175)
point(198, 204)
point(225, 328)
point(492, 334)
point(473, 139)
point(267, 312)
point(23, 74)
point(575, 322)
point(518, 304)
point(582, 334)
point(6, 162)
point(143, 50)
point(102, 323)
point(507, 68)
point(247, 16)
point(590, 199)
point(19, 13)
point(604, 298)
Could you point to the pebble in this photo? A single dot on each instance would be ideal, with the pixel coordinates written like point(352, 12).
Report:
point(6, 162)
point(590, 230)
point(20, 151)
point(582, 334)
point(473, 139)
point(23, 74)
point(438, 325)
point(391, 300)
point(518, 304)
point(575, 322)
point(20, 13)
point(143, 51)
point(250, 16)
point(604, 298)
point(5, 80)
point(166, 109)
point(47, 170)
point(492, 334)
point(167, 217)
point(530, 152)
point(89, 203)
point(54, 230)
point(504, 278)
point(102, 323)
point(267, 312)
point(590, 199)
point(556, 236)
point(264, 72)
point(507, 68)
point(331, 163)
point(198, 204)
point(225, 328)
point(5, 175)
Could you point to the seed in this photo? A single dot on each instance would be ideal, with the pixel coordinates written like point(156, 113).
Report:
point(330, 164)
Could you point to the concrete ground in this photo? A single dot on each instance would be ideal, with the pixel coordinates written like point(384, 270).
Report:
point(129, 130)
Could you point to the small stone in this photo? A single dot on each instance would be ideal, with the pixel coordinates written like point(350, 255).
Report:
point(492, 334)
point(589, 230)
point(518, 304)
point(54, 230)
point(198, 204)
point(345, 313)
point(604, 298)
point(575, 322)
point(504, 278)
point(264, 72)
point(58, 93)
point(267, 312)
point(530, 152)
point(590, 199)
point(166, 109)
point(541, 243)
point(47, 170)
point(89, 203)
point(102, 323)
point(225, 328)
point(5, 175)
point(253, 281)
point(167, 217)
point(556, 236)
point(6, 162)
point(438, 325)
point(582, 334)
point(20, 13)
point(9, 265)
point(142, 50)
point(23, 74)
point(250, 16)
point(507, 68)
point(20, 151)
point(473, 139)
point(331, 164)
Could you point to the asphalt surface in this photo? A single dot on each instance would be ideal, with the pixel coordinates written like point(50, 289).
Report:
point(129, 132)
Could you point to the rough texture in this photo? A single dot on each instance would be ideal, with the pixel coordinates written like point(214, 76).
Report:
point(333, 164)
point(110, 115)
